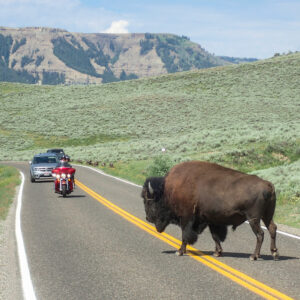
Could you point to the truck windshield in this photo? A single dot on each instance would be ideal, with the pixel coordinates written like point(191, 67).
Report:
point(45, 160)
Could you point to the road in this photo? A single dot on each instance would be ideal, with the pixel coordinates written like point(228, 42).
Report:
point(77, 248)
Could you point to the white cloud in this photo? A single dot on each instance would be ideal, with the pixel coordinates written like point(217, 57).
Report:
point(72, 15)
point(118, 27)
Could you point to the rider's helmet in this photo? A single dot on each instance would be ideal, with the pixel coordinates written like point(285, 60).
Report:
point(64, 161)
point(63, 158)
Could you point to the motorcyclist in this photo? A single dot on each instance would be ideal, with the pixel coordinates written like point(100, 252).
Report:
point(64, 163)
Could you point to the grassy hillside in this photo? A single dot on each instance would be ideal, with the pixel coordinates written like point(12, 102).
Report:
point(244, 116)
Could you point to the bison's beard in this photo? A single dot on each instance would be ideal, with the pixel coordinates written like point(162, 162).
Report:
point(161, 225)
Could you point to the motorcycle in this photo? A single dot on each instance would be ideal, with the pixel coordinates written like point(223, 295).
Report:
point(63, 180)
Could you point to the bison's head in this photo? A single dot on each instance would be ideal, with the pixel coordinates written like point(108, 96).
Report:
point(156, 210)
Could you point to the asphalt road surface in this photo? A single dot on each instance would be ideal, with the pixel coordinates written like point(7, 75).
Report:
point(78, 248)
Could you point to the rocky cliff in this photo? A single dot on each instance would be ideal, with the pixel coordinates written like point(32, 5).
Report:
point(52, 56)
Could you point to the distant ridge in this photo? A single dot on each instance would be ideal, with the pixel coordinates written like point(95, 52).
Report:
point(42, 55)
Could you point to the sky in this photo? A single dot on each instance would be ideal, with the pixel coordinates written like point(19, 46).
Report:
point(238, 28)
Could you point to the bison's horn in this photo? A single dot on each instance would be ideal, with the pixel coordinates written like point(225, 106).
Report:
point(150, 188)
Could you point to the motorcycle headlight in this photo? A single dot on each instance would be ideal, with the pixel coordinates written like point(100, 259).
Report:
point(69, 176)
point(63, 175)
point(57, 176)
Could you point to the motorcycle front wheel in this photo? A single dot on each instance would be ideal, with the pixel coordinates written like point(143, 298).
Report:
point(64, 191)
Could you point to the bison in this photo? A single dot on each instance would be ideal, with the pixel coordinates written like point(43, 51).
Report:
point(198, 194)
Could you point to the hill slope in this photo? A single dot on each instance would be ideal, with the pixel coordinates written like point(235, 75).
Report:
point(188, 113)
point(52, 56)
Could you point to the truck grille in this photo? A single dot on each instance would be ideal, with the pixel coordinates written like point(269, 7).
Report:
point(48, 169)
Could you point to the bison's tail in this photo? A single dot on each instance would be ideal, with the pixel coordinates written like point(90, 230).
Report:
point(219, 230)
point(270, 199)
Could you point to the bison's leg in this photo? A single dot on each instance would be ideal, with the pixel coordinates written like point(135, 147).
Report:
point(267, 217)
point(182, 249)
point(189, 236)
point(215, 230)
point(272, 230)
point(255, 225)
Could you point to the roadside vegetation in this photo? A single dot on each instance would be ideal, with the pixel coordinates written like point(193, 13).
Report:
point(243, 116)
point(9, 179)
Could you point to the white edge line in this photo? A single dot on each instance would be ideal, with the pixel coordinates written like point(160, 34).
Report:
point(107, 175)
point(287, 234)
point(131, 183)
point(28, 291)
point(281, 232)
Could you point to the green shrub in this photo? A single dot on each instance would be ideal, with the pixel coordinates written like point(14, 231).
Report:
point(5, 45)
point(149, 36)
point(146, 46)
point(18, 44)
point(160, 166)
point(39, 60)
point(101, 59)
point(124, 76)
point(108, 76)
point(53, 78)
point(26, 60)
point(11, 75)
point(13, 63)
point(112, 46)
point(74, 57)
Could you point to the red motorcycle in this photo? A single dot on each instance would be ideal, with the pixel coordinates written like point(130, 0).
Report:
point(64, 178)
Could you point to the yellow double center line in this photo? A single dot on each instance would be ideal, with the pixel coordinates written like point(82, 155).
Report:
point(233, 274)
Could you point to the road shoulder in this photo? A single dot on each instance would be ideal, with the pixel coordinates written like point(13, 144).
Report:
point(10, 283)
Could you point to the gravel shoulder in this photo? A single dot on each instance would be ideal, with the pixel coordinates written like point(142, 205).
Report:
point(10, 283)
